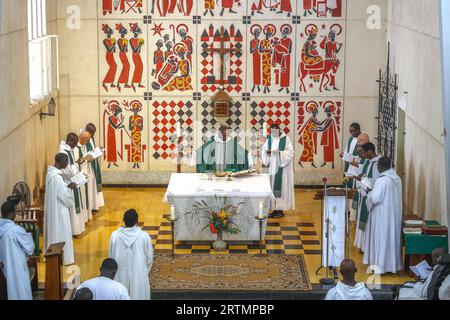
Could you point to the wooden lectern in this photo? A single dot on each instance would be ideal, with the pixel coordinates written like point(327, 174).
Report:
point(54, 272)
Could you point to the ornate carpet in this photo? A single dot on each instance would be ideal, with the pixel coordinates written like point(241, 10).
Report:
point(229, 272)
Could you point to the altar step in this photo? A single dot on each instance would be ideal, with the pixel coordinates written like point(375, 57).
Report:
point(318, 292)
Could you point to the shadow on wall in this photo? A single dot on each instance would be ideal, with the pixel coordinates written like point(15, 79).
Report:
point(415, 199)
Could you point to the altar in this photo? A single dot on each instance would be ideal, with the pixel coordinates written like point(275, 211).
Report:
point(249, 191)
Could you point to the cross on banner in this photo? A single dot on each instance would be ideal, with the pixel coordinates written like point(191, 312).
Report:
point(222, 52)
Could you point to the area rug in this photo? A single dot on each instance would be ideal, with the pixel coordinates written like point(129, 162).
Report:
point(229, 272)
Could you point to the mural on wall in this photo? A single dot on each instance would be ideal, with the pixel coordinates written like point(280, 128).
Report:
point(213, 40)
point(319, 129)
point(271, 59)
point(123, 61)
point(172, 58)
point(123, 7)
point(280, 7)
point(322, 8)
point(161, 61)
point(166, 115)
point(320, 49)
point(123, 127)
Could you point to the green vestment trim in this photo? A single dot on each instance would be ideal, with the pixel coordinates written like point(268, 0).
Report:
point(76, 192)
point(364, 214)
point(96, 167)
point(279, 175)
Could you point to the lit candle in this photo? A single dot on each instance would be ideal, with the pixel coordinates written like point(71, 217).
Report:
point(261, 210)
point(178, 129)
point(172, 212)
point(265, 130)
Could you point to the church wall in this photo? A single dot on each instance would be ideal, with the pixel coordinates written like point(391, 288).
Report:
point(27, 144)
point(159, 104)
point(413, 30)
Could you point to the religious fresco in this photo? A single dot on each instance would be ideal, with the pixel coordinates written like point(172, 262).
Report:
point(168, 116)
point(122, 58)
point(124, 132)
point(280, 61)
point(320, 58)
point(319, 133)
point(213, 38)
point(172, 58)
point(271, 59)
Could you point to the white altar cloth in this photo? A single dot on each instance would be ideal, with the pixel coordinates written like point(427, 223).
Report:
point(184, 189)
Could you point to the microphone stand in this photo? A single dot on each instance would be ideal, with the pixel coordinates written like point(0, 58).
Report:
point(327, 280)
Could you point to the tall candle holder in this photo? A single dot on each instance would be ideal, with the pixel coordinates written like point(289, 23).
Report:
point(172, 221)
point(261, 220)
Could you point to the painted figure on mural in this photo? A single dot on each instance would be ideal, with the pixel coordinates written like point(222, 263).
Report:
point(329, 129)
point(285, 7)
point(187, 40)
point(122, 43)
point(124, 6)
point(278, 6)
point(167, 7)
point(308, 134)
point(136, 126)
point(169, 51)
point(266, 51)
point(209, 6)
point(110, 45)
point(322, 8)
point(321, 69)
point(158, 57)
point(255, 51)
point(136, 44)
point(282, 50)
point(114, 132)
point(331, 48)
point(182, 80)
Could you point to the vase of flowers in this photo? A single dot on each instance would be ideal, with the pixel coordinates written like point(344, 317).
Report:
point(221, 218)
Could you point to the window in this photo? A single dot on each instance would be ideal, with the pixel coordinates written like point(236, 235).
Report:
point(40, 51)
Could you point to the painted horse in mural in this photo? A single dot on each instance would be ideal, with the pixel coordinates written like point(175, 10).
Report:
point(166, 7)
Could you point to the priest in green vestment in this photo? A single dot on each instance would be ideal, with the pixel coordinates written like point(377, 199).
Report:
point(351, 150)
point(221, 153)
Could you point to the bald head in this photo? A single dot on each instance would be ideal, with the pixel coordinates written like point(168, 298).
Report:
point(348, 270)
point(437, 253)
point(363, 138)
point(84, 137)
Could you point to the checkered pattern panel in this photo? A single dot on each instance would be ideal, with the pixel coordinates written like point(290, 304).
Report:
point(210, 124)
point(210, 78)
point(270, 112)
point(166, 114)
point(281, 238)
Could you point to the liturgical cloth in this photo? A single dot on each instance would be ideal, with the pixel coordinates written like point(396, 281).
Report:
point(185, 189)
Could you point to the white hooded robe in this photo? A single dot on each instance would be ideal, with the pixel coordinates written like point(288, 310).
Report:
point(345, 292)
point(384, 245)
point(16, 245)
point(133, 251)
point(58, 201)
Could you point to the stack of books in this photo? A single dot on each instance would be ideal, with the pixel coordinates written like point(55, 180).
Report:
point(413, 226)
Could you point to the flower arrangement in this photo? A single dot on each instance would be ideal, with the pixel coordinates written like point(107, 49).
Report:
point(221, 218)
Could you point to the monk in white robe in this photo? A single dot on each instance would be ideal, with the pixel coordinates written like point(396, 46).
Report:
point(277, 154)
point(105, 287)
point(58, 202)
point(96, 198)
point(419, 290)
point(348, 288)
point(444, 290)
point(86, 168)
point(16, 245)
point(132, 248)
point(383, 244)
point(371, 174)
point(77, 211)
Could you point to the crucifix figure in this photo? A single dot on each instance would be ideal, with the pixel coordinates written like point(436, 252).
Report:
point(222, 99)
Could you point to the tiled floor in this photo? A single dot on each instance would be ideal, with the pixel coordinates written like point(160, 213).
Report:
point(297, 233)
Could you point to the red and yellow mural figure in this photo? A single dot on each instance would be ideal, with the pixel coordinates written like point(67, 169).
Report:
point(136, 126)
point(308, 134)
point(110, 46)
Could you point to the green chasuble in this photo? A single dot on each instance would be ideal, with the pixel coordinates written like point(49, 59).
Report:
point(364, 213)
point(356, 195)
point(279, 175)
point(95, 166)
point(351, 182)
point(76, 191)
point(230, 157)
